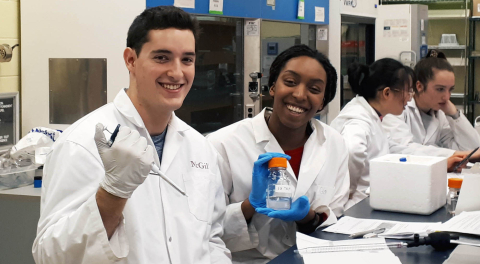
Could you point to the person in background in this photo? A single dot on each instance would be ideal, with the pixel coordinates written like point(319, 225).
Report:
point(302, 82)
point(99, 204)
point(431, 124)
point(382, 88)
point(436, 54)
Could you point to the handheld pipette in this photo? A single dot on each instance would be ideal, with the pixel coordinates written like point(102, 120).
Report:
point(155, 169)
point(158, 172)
point(438, 240)
point(357, 247)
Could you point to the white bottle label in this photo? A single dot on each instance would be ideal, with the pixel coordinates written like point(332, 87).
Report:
point(283, 190)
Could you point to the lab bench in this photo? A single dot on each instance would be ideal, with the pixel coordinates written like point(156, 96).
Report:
point(420, 255)
point(19, 214)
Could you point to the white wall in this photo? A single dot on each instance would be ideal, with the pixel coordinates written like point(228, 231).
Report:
point(251, 63)
point(334, 52)
point(70, 29)
point(363, 8)
point(10, 34)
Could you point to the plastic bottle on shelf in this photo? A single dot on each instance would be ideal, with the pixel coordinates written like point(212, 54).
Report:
point(454, 185)
point(279, 190)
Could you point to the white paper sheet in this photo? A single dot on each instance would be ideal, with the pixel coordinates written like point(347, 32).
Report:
point(322, 34)
point(469, 199)
point(319, 14)
point(270, 2)
point(393, 229)
point(216, 7)
point(252, 28)
point(301, 9)
point(357, 257)
point(184, 3)
point(466, 222)
point(464, 255)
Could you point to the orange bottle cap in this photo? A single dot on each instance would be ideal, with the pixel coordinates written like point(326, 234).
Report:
point(277, 162)
point(455, 183)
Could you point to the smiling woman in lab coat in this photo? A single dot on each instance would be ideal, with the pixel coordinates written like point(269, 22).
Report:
point(381, 89)
point(302, 82)
point(431, 124)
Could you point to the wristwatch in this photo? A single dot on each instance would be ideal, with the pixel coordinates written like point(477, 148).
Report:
point(456, 115)
point(312, 225)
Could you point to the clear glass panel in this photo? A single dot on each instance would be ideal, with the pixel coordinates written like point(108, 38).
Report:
point(357, 46)
point(350, 54)
point(277, 37)
point(216, 97)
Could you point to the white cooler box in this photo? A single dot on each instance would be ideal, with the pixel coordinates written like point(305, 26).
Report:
point(416, 186)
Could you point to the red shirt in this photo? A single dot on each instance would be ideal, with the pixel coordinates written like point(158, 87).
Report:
point(296, 159)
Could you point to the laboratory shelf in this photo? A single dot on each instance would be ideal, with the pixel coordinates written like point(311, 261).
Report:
point(28, 190)
point(457, 95)
point(457, 61)
point(475, 54)
point(453, 47)
point(448, 14)
point(422, 2)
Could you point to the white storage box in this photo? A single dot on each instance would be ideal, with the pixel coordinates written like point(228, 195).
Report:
point(16, 177)
point(416, 186)
point(448, 40)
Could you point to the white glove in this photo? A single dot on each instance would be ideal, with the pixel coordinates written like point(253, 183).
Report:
point(127, 162)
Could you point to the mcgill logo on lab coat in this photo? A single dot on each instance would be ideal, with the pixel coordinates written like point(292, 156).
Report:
point(199, 165)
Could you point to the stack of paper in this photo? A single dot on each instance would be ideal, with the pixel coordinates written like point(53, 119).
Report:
point(468, 225)
point(357, 257)
point(464, 255)
point(393, 229)
point(465, 223)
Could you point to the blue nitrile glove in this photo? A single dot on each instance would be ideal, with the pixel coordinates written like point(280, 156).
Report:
point(297, 211)
point(258, 195)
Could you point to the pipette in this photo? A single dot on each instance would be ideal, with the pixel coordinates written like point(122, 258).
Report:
point(155, 169)
point(345, 248)
point(438, 240)
point(158, 172)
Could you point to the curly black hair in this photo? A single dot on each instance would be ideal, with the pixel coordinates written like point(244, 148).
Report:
point(303, 50)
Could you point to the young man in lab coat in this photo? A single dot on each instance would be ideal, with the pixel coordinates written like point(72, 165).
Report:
point(99, 203)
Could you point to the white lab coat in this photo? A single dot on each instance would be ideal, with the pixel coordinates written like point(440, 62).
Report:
point(362, 130)
point(442, 136)
point(160, 225)
point(323, 179)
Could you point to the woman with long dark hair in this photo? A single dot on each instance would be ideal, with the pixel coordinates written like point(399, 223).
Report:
point(382, 88)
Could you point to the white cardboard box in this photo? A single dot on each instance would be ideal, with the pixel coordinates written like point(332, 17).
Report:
point(416, 186)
